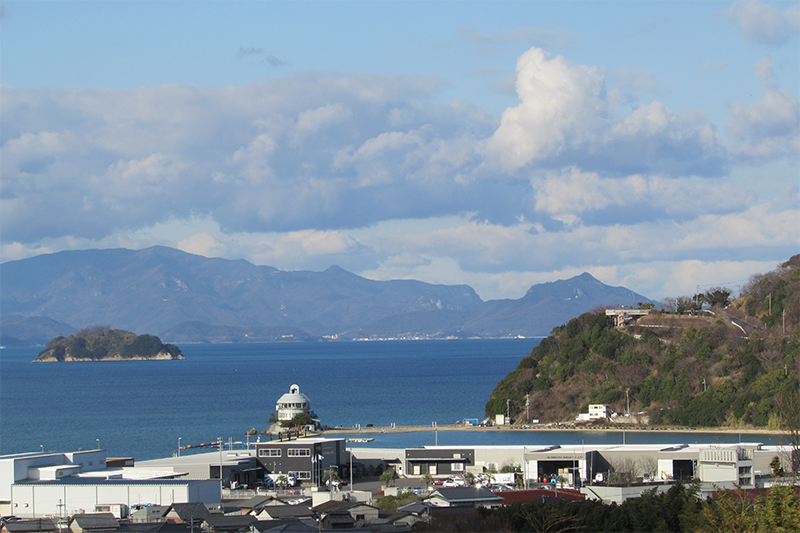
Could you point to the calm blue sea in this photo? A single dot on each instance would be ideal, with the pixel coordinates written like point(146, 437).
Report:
point(141, 408)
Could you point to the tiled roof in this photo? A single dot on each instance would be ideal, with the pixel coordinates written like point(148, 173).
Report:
point(230, 522)
point(96, 521)
point(467, 494)
point(192, 511)
point(333, 506)
point(288, 511)
point(526, 496)
point(29, 526)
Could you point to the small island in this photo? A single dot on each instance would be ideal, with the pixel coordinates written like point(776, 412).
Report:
point(101, 343)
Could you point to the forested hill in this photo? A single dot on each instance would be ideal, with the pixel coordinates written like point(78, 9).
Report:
point(693, 367)
point(104, 344)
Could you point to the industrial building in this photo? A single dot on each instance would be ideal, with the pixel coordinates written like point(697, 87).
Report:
point(63, 484)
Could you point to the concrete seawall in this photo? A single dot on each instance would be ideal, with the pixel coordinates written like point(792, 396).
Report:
point(461, 427)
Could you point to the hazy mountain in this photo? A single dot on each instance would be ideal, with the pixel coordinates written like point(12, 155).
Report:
point(189, 298)
point(18, 330)
point(543, 307)
point(153, 290)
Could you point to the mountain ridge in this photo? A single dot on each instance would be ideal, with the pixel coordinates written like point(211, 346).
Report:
point(168, 291)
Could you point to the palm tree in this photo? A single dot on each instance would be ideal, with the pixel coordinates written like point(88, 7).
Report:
point(387, 477)
point(428, 480)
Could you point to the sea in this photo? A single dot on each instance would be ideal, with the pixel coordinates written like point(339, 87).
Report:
point(146, 409)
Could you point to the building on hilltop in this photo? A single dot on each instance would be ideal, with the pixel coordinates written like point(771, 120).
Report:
point(293, 403)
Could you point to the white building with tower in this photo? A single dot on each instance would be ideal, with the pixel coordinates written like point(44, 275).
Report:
point(293, 403)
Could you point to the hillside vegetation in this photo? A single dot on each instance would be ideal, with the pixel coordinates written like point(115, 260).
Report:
point(734, 364)
point(100, 343)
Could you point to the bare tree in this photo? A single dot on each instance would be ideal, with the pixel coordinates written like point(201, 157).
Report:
point(624, 470)
point(648, 465)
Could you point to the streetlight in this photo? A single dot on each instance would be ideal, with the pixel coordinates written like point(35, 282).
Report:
point(179, 446)
point(42, 447)
point(219, 440)
point(98, 443)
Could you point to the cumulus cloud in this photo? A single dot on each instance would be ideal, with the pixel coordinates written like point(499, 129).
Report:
point(377, 175)
point(564, 117)
point(764, 23)
point(769, 128)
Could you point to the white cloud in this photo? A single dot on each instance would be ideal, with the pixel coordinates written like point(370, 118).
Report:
point(764, 23)
point(311, 120)
point(564, 117)
point(769, 128)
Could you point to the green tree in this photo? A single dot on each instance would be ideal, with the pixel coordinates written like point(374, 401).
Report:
point(387, 478)
point(427, 479)
point(330, 475)
point(777, 467)
point(717, 296)
point(302, 419)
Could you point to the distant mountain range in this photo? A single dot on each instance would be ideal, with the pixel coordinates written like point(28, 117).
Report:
point(183, 297)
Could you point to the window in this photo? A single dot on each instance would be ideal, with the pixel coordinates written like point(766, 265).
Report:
point(301, 475)
point(416, 469)
point(456, 467)
point(269, 452)
point(432, 469)
point(298, 452)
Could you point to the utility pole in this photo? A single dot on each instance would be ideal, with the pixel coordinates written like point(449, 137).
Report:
point(628, 403)
point(508, 410)
point(528, 407)
point(704, 385)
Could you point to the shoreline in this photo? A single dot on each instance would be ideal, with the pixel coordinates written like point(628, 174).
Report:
point(616, 429)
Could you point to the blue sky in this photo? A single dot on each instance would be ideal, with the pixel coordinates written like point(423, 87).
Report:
point(655, 145)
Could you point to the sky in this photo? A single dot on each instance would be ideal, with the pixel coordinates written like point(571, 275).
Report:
point(655, 145)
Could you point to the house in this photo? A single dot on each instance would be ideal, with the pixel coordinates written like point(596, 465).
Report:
point(599, 411)
point(194, 513)
point(338, 520)
point(228, 523)
point(284, 512)
point(357, 510)
point(154, 513)
point(39, 525)
point(92, 523)
point(255, 504)
point(464, 497)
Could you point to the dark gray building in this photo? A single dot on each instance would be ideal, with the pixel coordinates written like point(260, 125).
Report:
point(439, 461)
point(306, 459)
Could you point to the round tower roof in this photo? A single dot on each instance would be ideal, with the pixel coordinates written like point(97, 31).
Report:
point(294, 396)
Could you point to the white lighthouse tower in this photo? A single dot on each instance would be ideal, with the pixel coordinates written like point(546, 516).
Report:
point(292, 403)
